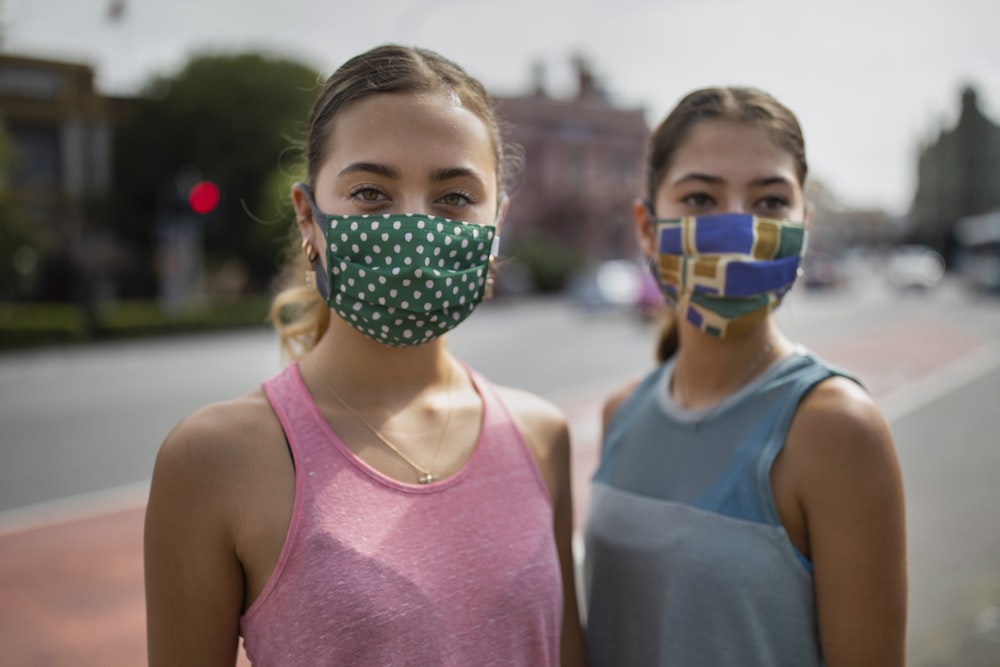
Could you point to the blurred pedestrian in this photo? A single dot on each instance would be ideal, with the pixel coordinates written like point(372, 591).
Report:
point(377, 502)
point(748, 506)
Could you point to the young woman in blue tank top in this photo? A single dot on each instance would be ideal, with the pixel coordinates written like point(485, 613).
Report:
point(748, 506)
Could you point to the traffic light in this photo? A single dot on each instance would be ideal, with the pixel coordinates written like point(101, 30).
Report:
point(203, 197)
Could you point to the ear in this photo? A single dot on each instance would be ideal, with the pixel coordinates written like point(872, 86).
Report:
point(304, 216)
point(645, 227)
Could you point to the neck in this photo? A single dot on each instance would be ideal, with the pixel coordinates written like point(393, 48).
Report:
point(376, 374)
point(708, 369)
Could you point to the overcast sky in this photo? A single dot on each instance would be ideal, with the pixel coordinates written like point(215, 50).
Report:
point(869, 79)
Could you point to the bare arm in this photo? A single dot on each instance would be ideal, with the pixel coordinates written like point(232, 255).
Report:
point(194, 582)
point(851, 493)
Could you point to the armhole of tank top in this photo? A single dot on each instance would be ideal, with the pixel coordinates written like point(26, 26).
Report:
point(273, 394)
point(803, 386)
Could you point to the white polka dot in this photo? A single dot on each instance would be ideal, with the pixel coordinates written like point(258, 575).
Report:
point(396, 249)
point(385, 237)
point(417, 293)
point(406, 282)
point(344, 237)
point(377, 249)
point(427, 306)
point(447, 240)
point(429, 283)
point(437, 295)
point(333, 224)
point(407, 334)
point(376, 315)
point(407, 260)
point(404, 304)
point(407, 237)
point(374, 225)
point(357, 306)
point(355, 248)
point(397, 224)
point(392, 293)
point(420, 250)
point(368, 259)
point(381, 301)
point(361, 273)
point(363, 236)
point(417, 273)
point(420, 224)
point(354, 226)
point(382, 279)
point(350, 281)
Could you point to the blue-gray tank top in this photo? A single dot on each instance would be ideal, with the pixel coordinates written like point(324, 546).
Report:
point(686, 559)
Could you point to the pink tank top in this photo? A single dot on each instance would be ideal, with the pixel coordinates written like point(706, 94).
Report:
point(376, 572)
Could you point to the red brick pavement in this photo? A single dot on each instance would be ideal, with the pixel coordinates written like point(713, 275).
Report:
point(71, 593)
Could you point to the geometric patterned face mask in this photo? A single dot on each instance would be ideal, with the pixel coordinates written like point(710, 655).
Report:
point(725, 272)
point(403, 279)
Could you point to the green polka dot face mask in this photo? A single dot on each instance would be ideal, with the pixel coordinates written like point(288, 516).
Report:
point(403, 279)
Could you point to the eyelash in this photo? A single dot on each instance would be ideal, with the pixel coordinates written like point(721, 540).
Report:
point(703, 199)
point(360, 192)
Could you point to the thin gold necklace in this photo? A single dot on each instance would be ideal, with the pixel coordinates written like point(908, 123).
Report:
point(746, 378)
point(425, 475)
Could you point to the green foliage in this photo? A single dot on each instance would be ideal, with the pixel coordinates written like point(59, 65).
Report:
point(549, 260)
point(233, 119)
point(25, 325)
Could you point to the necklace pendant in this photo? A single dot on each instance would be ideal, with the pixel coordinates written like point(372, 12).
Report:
point(427, 478)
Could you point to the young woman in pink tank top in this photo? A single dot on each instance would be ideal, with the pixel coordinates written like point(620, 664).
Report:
point(377, 502)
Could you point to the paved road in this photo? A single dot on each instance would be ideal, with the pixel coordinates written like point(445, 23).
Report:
point(88, 421)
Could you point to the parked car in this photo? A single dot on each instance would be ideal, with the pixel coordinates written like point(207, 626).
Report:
point(914, 267)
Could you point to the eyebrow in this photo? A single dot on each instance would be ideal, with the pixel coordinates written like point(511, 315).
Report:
point(718, 180)
point(438, 175)
point(371, 168)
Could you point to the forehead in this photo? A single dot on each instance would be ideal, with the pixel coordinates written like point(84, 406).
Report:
point(411, 131)
point(732, 150)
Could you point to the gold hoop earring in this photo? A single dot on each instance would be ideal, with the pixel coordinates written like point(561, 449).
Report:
point(311, 255)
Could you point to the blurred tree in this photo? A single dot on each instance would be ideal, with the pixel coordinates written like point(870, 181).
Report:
point(233, 119)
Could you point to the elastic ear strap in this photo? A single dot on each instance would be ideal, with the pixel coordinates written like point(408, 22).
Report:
point(321, 282)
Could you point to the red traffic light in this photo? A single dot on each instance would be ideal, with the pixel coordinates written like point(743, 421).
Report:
point(204, 197)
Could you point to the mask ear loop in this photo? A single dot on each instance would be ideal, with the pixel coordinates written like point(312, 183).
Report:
point(322, 282)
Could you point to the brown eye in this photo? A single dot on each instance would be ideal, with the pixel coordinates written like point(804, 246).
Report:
point(455, 199)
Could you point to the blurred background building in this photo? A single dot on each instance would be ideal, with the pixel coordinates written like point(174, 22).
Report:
point(583, 168)
point(57, 172)
point(958, 176)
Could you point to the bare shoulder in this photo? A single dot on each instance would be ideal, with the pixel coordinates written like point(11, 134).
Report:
point(216, 443)
point(539, 419)
point(616, 398)
point(839, 434)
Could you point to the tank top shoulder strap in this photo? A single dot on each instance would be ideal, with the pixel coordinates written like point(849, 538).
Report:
point(300, 419)
point(501, 442)
point(808, 373)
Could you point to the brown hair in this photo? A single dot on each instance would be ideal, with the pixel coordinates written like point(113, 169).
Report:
point(299, 313)
point(745, 105)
